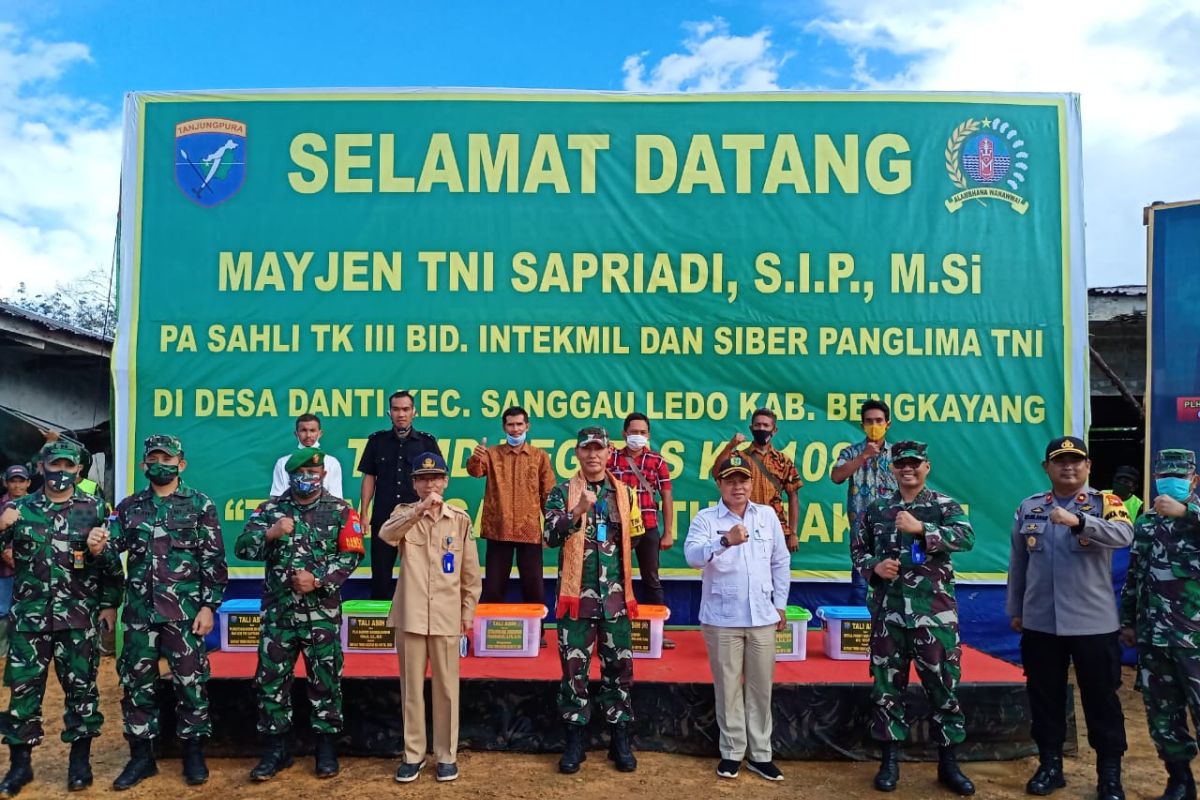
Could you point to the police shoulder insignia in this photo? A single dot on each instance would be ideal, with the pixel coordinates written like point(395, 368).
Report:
point(1114, 508)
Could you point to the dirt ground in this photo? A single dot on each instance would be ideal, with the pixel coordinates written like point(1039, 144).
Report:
point(514, 775)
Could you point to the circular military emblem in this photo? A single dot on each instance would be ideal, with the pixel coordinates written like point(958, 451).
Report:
point(1032, 542)
point(983, 156)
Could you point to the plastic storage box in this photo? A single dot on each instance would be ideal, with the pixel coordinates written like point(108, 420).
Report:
point(364, 627)
point(648, 631)
point(239, 621)
point(791, 643)
point(847, 632)
point(508, 630)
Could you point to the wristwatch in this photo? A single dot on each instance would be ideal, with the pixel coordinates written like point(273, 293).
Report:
point(725, 541)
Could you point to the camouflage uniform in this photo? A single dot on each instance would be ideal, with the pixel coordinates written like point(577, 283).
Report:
point(1161, 602)
point(58, 589)
point(326, 541)
point(915, 615)
point(603, 619)
point(176, 561)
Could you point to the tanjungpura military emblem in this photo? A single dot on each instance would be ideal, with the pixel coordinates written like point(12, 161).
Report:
point(983, 156)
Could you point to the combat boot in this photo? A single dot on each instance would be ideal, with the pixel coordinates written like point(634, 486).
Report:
point(1049, 775)
point(79, 766)
point(326, 756)
point(949, 774)
point(573, 754)
point(889, 767)
point(20, 769)
point(141, 765)
point(277, 756)
point(1108, 778)
point(1180, 783)
point(195, 771)
point(620, 749)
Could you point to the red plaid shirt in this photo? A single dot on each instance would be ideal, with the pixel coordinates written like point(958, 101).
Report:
point(654, 470)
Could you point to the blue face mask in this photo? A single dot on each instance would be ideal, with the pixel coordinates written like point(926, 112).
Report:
point(304, 485)
point(1176, 488)
point(516, 441)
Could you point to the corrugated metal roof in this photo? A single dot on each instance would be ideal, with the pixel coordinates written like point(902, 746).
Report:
point(1128, 290)
point(52, 324)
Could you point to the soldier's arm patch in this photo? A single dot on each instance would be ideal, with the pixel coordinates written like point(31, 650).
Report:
point(350, 539)
point(1114, 508)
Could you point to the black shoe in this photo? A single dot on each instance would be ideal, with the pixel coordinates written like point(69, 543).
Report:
point(326, 756)
point(949, 774)
point(141, 765)
point(728, 768)
point(20, 769)
point(195, 771)
point(765, 769)
point(447, 772)
point(407, 773)
point(620, 749)
point(277, 756)
point(1108, 778)
point(1049, 775)
point(573, 754)
point(889, 767)
point(79, 766)
point(1180, 783)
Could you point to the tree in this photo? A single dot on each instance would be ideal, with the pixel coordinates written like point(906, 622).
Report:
point(86, 303)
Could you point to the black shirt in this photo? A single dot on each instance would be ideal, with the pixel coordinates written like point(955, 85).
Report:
point(389, 458)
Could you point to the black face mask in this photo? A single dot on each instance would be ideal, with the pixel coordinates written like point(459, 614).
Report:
point(59, 480)
point(761, 437)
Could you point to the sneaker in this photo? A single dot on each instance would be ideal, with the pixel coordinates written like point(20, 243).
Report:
point(728, 768)
point(765, 769)
point(447, 772)
point(407, 773)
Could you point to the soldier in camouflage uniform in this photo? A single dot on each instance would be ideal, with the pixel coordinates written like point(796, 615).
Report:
point(60, 591)
point(1160, 611)
point(903, 549)
point(176, 558)
point(311, 542)
point(589, 518)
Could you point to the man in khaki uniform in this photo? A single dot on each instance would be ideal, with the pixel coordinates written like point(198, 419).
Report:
point(434, 604)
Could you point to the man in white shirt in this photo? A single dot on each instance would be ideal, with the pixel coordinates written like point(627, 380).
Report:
point(746, 566)
point(308, 434)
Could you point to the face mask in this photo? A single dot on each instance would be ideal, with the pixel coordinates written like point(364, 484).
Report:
point(301, 445)
point(162, 474)
point(305, 485)
point(1176, 488)
point(875, 431)
point(516, 441)
point(59, 480)
point(637, 441)
point(761, 437)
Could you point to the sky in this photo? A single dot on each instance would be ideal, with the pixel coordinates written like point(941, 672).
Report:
point(66, 65)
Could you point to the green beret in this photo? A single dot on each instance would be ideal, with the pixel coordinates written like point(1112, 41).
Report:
point(305, 457)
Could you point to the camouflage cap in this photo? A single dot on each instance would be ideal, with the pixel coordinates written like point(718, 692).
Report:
point(62, 449)
point(909, 449)
point(1174, 462)
point(305, 457)
point(428, 464)
point(161, 441)
point(734, 465)
point(592, 435)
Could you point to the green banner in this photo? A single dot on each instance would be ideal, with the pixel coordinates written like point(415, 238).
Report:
point(586, 255)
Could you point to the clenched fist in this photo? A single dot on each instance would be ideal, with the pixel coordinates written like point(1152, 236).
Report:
point(282, 527)
point(888, 568)
point(480, 450)
point(908, 523)
point(586, 501)
point(97, 540)
point(1060, 516)
point(9, 517)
